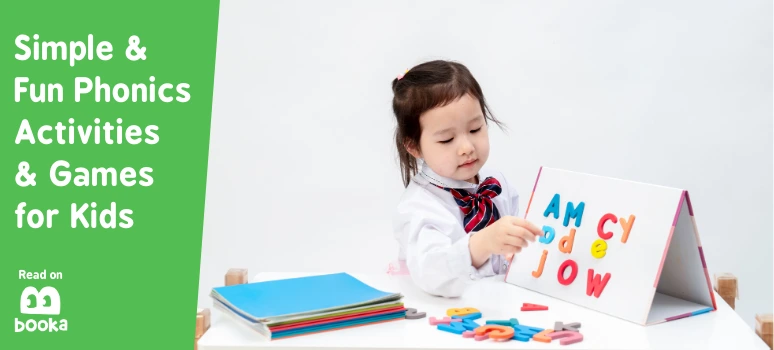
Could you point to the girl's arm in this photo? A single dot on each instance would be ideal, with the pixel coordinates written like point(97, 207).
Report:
point(438, 264)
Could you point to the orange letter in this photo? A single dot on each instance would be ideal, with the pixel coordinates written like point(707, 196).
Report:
point(594, 285)
point(565, 244)
point(601, 227)
point(496, 332)
point(539, 271)
point(627, 227)
point(543, 336)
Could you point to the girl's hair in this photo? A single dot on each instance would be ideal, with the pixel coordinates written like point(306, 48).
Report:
point(429, 85)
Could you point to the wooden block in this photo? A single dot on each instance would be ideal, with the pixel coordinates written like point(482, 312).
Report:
point(763, 323)
point(767, 338)
point(236, 276)
point(203, 317)
point(727, 284)
point(730, 300)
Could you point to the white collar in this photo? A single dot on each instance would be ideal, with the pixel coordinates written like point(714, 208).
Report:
point(427, 174)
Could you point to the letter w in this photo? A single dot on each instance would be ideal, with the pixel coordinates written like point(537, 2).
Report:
point(594, 285)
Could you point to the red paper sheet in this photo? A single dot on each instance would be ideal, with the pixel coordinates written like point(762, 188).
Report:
point(336, 319)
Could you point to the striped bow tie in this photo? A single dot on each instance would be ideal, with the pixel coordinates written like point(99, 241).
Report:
point(478, 208)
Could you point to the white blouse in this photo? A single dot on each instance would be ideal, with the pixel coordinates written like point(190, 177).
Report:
point(428, 225)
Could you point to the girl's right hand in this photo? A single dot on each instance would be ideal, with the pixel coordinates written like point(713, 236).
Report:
point(506, 236)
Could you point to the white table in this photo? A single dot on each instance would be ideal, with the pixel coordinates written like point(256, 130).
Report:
point(722, 329)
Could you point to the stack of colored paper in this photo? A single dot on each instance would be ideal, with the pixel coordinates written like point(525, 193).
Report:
point(305, 305)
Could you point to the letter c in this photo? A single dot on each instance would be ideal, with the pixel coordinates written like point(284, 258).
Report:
point(601, 227)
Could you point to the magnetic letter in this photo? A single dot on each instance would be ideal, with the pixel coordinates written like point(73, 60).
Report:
point(496, 332)
point(601, 227)
point(574, 273)
point(543, 336)
point(525, 333)
point(598, 249)
point(566, 337)
point(593, 283)
point(553, 207)
point(548, 235)
point(565, 244)
point(627, 227)
point(539, 271)
point(575, 213)
point(462, 311)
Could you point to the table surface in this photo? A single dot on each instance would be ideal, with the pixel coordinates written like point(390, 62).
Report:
point(497, 300)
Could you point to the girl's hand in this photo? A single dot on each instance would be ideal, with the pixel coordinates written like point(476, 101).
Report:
point(506, 236)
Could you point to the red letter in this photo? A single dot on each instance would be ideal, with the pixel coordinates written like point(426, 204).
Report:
point(567, 263)
point(594, 285)
point(601, 227)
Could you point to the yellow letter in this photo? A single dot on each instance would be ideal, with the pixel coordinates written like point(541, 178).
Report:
point(598, 248)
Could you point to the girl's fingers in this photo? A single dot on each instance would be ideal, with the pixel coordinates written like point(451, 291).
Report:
point(530, 227)
point(522, 233)
point(515, 241)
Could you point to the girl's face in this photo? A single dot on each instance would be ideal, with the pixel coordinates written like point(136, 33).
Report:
point(454, 140)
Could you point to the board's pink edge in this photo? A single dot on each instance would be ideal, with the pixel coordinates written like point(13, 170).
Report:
point(507, 271)
point(663, 257)
point(679, 208)
point(701, 250)
point(687, 314)
point(688, 199)
point(537, 179)
point(703, 260)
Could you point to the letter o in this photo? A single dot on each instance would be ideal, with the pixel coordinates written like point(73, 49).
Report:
point(31, 328)
point(574, 273)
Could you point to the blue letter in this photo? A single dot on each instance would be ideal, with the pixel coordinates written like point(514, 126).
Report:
point(553, 207)
point(576, 213)
point(548, 235)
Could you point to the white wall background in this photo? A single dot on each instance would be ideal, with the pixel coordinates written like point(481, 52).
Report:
point(303, 175)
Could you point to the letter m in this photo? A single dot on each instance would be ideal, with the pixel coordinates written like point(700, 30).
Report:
point(574, 212)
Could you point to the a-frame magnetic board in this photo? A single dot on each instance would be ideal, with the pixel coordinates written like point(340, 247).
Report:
point(624, 248)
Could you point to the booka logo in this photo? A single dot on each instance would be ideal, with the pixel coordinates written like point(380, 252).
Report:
point(43, 302)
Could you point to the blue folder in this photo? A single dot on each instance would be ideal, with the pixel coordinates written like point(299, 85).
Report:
point(273, 301)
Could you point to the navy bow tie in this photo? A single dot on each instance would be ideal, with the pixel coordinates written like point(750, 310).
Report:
point(478, 208)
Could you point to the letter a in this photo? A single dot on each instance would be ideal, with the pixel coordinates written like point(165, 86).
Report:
point(553, 207)
point(594, 285)
point(25, 133)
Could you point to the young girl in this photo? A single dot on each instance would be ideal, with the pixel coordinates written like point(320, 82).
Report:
point(456, 221)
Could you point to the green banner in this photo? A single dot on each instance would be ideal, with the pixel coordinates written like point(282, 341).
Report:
point(104, 132)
